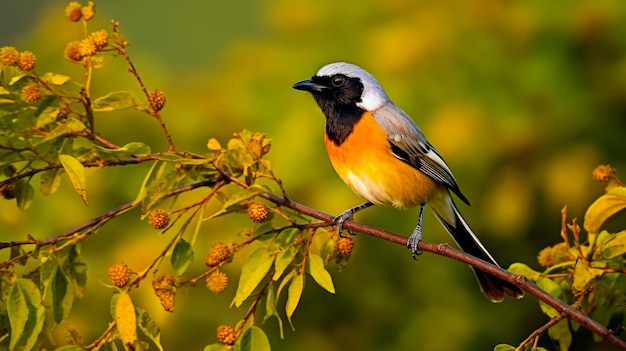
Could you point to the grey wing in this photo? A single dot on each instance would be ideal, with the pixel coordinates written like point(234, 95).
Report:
point(408, 144)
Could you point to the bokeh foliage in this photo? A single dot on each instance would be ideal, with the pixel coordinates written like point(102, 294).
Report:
point(522, 99)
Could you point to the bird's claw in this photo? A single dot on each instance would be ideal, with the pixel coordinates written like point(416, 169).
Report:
point(340, 219)
point(413, 242)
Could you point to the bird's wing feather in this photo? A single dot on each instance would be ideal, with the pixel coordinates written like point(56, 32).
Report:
point(408, 144)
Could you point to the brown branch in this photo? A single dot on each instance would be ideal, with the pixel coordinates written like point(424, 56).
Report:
point(445, 250)
point(554, 320)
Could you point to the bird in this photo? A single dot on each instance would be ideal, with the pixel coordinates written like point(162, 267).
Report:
point(384, 157)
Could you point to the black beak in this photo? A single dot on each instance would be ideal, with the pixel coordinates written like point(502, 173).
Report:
point(309, 85)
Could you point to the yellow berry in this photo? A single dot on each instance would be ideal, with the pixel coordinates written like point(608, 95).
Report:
point(159, 219)
point(87, 47)
point(72, 11)
point(345, 245)
point(226, 335)
point(603, 173)
point(88, 11)
point(26, 61)
point(156, 98)
point(100, 38)
point(258, 212)
point(119, 274)
point(219, 253)
point(72, 51)
point(217, 282)
point(9, 55)
point(31, 93)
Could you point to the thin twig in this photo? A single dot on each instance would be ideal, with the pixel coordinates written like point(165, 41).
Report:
point(534, 335)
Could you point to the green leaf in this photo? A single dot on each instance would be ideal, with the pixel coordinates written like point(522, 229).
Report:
point(217, 347)
point(254, 339)
point(562, 334)
point(47, 116)
point(552, 288)
point(271, 310)
point(117, 100)
point(68, 126)
point(26, 314)
point(182, 256)
point(504, 347)
point(24, 194)
point(133, 148)
point(76, 172)
point(148, 326)
point(62, 296)
point(583, 276)
point(56, 79)
point(604, 207)
point(615, 245)
point(50, 181)
point(294, 292)
point(17, 78)
point(522, 269)
point(256, 267)
point(320, 274)
point(233, 203)
point(143, 191)
point(282, 262)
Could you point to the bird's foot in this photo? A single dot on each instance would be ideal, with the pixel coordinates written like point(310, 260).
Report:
point(413, 242)
point(340, 219)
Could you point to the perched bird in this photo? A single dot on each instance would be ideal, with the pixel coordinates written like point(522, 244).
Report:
point(383, 156)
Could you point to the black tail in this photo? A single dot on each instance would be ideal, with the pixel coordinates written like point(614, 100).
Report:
point(493, 287)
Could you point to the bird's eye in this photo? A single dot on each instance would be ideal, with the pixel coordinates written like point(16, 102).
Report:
point(338, 81)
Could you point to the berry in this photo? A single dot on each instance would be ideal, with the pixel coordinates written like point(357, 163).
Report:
point(165, 289)
point(156, 98)
point(226, 335)
point(31, 93)
point(219, 253)
point(26, 61)
point(72, 51)
point(258, 212)
point(9, 55)
point(119, 274)
point(72, 11)
point(87, 47)
point(100, 38)
point(217, 282)
point(159, 219)
point(345, 246)
point(603, 173)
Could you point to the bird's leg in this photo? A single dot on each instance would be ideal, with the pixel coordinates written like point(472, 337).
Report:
point(415, 238)
point(347, 215)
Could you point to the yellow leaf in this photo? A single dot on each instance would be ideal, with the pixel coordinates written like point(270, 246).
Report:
point(126, 320)
point(604, 207)
point(583, 276)
point(213, 144)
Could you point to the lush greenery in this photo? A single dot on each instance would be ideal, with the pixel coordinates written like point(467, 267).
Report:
point(523, 100)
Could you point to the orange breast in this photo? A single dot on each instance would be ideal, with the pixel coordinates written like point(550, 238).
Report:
point(365, 162)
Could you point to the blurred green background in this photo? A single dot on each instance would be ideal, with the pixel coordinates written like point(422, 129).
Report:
point(523, 99)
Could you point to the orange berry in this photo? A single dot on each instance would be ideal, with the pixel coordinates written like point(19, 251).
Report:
point(9, 55)
point(31, 93)
point(603, 173)
point(219, 253)
point(119, 274)
point(258, 212)
point(226, 335)
point(345, 246)
point(26, 61)
point(156, 98)
point(88, 11)
point(100, 38)
point(217, 282)
point(72, 51)
point(72, 11)
point(159, 219)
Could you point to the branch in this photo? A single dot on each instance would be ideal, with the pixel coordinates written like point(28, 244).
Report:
point(445, 250)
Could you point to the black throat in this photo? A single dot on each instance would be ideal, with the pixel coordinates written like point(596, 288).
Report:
point(339, 104)
point(340, 118)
